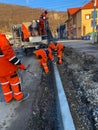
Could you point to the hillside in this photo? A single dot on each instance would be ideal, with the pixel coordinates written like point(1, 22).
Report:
point(13, 14)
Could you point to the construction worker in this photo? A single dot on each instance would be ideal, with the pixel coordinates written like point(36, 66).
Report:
point(58, 49)
point(37, 26)
point(45, 19)
point(9, 79)
point(33, 28)
point(41, 26)
point(44, 14)
point(44, 55)
point(26, 33)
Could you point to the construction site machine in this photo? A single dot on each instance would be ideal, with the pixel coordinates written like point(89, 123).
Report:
point(33, 42)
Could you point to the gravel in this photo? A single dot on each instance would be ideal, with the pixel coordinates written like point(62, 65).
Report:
point(79, 74)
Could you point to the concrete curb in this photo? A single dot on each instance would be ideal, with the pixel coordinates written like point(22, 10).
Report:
point(65, 114)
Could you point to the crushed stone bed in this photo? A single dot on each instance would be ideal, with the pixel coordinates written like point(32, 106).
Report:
point(79, 75)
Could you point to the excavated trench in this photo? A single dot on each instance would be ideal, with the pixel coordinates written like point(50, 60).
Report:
point(44, 114)
point(79, 75)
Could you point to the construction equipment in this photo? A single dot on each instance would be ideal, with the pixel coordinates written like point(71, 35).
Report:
point(33, 42)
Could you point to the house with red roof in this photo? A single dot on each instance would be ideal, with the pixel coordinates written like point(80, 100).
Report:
point(79, 22)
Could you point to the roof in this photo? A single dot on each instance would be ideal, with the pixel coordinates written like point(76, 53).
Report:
point(90, 5)
point(72, 11)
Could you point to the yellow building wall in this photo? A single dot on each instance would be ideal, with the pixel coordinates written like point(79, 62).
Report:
point(86, 23)
point(83, 25)
point(78, 23)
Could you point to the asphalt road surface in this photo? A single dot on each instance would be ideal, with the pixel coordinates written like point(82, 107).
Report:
point(82, 46)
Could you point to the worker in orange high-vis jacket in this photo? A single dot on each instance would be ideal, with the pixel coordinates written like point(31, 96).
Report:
point(58, 49)
point(9, 64)
point(44, 55)
point(26, 33)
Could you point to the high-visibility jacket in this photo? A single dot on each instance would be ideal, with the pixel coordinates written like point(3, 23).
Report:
point(43, 55)
point(53, 46)
point(58, 49)
point(48, 52)
point(8, 59)
point(40, 54)
point(43, 59)
point(26, 32)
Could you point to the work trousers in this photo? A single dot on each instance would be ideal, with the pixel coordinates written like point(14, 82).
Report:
point(11, 87)
point(60, 54)
point(44, 65)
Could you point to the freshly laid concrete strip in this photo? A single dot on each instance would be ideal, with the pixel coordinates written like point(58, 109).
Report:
point(66, 117)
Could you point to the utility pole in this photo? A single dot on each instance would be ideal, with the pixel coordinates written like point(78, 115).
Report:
point(94, 21)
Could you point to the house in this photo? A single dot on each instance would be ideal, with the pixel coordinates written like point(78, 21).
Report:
point(79, 22)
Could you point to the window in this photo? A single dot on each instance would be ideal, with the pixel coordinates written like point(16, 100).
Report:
point(87, 16)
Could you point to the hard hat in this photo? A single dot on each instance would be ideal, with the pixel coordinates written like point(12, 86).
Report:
point(33, 21)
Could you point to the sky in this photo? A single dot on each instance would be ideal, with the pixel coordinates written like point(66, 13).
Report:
point(57, 5)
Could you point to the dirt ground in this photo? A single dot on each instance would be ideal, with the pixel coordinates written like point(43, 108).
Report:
point(79, 74)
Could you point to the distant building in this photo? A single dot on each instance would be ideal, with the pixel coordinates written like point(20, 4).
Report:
point(61, 30)
point(79, 20)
